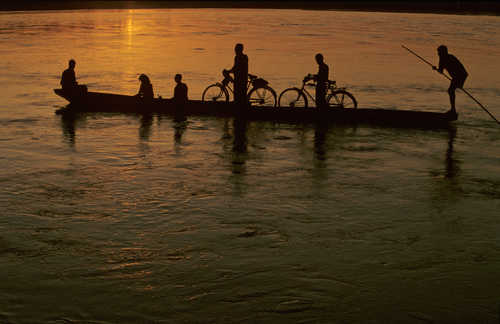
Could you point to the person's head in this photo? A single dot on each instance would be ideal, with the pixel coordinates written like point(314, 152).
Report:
point(442, 50)
point(71, 64)
point(144, 78)
point(238, 49)
point(178, 78)
point(319, 58)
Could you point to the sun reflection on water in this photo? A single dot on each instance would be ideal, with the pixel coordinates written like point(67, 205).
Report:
point(130, 28)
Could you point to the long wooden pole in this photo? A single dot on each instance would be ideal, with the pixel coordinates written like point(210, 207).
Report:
point(465, 91)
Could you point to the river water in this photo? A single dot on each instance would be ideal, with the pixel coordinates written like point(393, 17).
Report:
point(113, 218)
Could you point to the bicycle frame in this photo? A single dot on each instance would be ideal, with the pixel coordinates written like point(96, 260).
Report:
point(228, 80)
point(332, 86)
point(258, 92)
point(304, 90)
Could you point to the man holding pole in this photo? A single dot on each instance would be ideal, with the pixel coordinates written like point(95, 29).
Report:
point(455, 69)
point(457, 72)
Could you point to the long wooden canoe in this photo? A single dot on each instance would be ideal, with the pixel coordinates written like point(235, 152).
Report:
point(108, 102)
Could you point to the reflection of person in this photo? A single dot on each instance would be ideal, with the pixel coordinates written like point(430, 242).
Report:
point(321, 81)
point(146, 89)
point(240, 71)
point(68, 80)
point(455, 69)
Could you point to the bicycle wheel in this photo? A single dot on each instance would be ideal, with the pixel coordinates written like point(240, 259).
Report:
point(341, 99)
point(215, 93)
point(262, 96)
point(292, 98)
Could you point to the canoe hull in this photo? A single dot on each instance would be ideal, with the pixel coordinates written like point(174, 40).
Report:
point(107, 102)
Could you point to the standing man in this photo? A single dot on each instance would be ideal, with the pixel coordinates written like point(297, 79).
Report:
point(455, 69)
point(240, 71)
point(321, 82)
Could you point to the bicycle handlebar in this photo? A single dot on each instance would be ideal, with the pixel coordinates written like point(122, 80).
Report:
point(226, 75)
point(310, 77)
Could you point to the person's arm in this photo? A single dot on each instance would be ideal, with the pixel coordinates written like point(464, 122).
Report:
point(440, 67)
point(141, 91)
point(322, 74)
point(176, 93)
point(314, 77)
point(186, 92)
point(234, 65)
point(151, 94)
point(73, 78)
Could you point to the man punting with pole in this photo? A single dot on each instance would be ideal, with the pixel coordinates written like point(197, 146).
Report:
point(455, 69)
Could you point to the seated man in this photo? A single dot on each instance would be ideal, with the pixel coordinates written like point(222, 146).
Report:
point(180, 90)
point(146, 89)
point(68, 80)
point(180, 98)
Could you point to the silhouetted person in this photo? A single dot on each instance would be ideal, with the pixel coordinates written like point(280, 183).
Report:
point(321, 81)
point(68, 80)
point(455, 69)
point(180, 97)
point(180, 90)
point(146, 89)
point(240, 71)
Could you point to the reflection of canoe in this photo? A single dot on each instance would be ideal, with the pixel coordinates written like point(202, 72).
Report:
point(107, 102)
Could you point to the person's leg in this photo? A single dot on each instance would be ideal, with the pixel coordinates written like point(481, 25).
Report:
point(451, 93)
point(240, 97)
point(320, 97)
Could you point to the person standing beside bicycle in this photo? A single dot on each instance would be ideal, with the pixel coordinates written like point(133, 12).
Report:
point(321, 81)
point(240, 71)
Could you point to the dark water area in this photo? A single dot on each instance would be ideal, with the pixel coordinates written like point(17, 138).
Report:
point(139, 218)
point(442, 7)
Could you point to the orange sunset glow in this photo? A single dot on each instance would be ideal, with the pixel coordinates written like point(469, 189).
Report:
point(249, 162)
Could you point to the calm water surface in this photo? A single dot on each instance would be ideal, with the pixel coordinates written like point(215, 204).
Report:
point(115, 218)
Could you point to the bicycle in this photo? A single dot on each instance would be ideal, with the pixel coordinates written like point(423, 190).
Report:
point(297, 97)
point(260, 94)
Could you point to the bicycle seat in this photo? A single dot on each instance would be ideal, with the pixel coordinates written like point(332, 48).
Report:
point(251, 76)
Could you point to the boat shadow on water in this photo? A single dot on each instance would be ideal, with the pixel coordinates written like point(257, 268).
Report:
point(243, 138)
